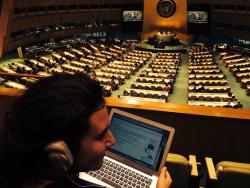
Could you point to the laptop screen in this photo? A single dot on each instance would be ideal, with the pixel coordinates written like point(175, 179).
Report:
point(138, 141)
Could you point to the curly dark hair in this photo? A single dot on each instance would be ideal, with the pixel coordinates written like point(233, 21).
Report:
point(55, 108)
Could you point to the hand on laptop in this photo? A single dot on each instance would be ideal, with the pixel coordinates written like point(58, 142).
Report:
point(164, 180)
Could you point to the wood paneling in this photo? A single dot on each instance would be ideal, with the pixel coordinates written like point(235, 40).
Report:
point(164, 107)
point(17, 18)
point(152, 22)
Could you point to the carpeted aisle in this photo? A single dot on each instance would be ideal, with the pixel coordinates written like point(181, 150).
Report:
point(180, 91)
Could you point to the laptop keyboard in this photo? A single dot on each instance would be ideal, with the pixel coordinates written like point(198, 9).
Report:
point(119, 176)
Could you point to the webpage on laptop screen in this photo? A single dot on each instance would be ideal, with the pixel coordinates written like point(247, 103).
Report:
point(138, 141)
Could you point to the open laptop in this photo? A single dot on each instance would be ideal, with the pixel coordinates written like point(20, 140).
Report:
point(139, 155)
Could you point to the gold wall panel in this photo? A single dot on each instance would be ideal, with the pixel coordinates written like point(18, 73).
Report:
point(152, 22)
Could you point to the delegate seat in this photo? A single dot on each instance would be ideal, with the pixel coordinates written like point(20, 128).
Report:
point(227, 174)
point(184, 172)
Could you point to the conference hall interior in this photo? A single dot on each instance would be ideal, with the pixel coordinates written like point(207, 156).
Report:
point(182, 63)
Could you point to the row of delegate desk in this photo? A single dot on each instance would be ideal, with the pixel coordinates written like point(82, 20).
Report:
point(17, 67)
point(86, 58)
point(207, 83)
point(118, 71)
point(103, 58)
point(112, 72)
point(82, 58)
point(239, 66)
point(155, 81)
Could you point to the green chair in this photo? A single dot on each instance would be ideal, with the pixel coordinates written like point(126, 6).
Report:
point(227, 174)
point(184, 172)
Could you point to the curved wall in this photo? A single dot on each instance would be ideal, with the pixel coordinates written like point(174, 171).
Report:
point(21, 20)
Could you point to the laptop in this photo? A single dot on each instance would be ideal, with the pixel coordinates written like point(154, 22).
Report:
point(139, 155)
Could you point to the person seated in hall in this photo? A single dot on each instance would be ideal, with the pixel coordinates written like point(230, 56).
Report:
point(87, 68)
point(19, 70)
point(167, 88)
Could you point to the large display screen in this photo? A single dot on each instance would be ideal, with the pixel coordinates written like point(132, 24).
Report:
point(200, 17)
point(132, 16)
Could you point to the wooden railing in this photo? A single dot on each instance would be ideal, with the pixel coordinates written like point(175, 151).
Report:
point(180, 108)
point(22, 75)
point(163, 107)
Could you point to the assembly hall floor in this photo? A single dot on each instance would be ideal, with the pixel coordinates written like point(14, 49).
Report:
point(180, 90)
